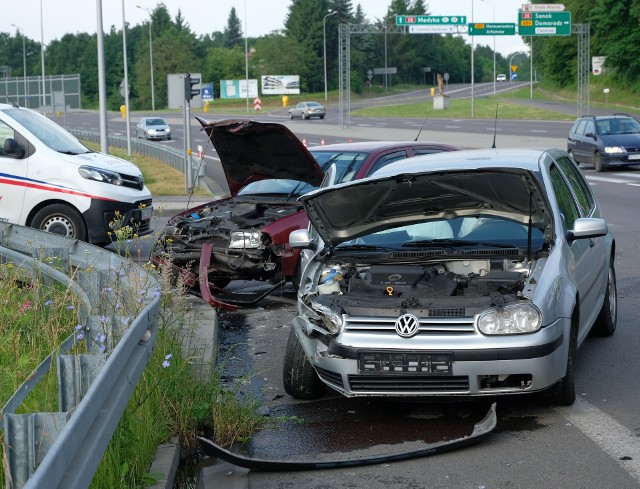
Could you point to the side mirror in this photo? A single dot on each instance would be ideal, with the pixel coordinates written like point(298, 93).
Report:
point(13, 149)
point(590, 135)
point(587, 227)
point(300, 239)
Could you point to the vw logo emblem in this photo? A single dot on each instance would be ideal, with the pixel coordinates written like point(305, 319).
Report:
point(394, 277)
point(407, 325)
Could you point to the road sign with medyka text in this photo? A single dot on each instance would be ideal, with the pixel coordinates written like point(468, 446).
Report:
point(480, 29)
point(544, 23)
point(431, 19)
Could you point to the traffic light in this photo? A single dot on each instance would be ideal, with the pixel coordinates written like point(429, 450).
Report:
point(189, 91)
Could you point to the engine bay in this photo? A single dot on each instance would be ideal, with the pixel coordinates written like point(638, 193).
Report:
point(449, 284)
point(218, 220)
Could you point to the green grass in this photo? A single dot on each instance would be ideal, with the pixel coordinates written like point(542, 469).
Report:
point(484, 108)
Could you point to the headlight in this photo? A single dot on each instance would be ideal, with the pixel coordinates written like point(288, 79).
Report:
point(614, 150)
point(100, 175)
point(512, 319)
point(152, 132)
point(331, 320)
point(242, 239)
point(168, 129)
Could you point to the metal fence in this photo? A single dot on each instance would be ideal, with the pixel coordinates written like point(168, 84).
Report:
point(166, 154)
point(63, 449)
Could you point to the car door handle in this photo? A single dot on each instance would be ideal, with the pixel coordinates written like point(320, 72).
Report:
point(592, 243)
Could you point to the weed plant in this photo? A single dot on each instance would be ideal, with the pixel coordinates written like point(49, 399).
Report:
point(170, 400)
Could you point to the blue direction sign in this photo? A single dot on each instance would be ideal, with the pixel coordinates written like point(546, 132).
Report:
point(544, 23)
point(479, 29)
point(431, 19)
point(206, 91)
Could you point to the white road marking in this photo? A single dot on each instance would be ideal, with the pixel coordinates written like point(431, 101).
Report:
point(614, 439)
point(538, 130)
point(452, 127)
point(628, 175)
point(606, 179)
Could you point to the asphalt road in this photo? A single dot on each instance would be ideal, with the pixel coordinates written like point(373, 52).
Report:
point(593, 444)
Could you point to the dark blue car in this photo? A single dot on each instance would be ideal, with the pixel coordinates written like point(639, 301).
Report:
point(605, 141)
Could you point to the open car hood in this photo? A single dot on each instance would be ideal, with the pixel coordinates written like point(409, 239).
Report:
point(348, 211)
point(250, 151)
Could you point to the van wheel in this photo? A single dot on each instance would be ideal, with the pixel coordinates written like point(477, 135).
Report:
point(597, 162)
point(60, 219)
point(298, 375)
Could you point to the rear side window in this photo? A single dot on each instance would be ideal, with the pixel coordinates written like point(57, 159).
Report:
point(386, 159)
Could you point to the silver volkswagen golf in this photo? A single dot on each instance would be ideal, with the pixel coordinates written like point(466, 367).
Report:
point(463, 274)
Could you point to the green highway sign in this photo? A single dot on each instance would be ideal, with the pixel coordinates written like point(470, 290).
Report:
point(479, 29)
point(431, 19)
point(544, 23)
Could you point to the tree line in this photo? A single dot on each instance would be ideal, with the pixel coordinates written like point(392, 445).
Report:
point(298, 49)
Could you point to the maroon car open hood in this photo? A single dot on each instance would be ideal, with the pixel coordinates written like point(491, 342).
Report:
point(250, 151)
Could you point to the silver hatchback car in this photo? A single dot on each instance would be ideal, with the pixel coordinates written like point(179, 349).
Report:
point(462, 274)
point(153, 128)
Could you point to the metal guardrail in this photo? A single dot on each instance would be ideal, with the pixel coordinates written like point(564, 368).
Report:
point(63, 449)
point(166, 154)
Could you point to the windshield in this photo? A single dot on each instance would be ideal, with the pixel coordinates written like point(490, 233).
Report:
point(461, 232)
point(288, 188)
point(347, 163)
point(618, 125)
point(48, 132)
point(156, 122)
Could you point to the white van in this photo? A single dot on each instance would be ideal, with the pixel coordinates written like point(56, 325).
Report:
point(51, 181)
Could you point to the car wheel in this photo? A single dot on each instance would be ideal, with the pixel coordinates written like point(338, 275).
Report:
point(607, 320)
point(298, 375)
point(290, 115)
point(597, 162)
point(321, 117)
point(60, 219)
point(304, 116)
point(563, 393)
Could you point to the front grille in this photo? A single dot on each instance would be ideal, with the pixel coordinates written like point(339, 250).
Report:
point(132, 181)
point(330, 377)
point(408, 383)
point(448, 321)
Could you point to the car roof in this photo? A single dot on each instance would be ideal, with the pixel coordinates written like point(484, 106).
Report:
point(370, 146)
point(606, 117)
point(527, 159)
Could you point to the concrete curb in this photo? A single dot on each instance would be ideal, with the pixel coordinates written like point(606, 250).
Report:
point(201, 333)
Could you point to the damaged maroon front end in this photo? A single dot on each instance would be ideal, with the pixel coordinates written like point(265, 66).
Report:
point(244, 236)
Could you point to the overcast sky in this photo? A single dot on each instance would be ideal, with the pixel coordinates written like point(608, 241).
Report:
point(206, 16)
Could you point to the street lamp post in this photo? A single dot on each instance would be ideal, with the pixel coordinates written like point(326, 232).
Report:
point(494, 45)
point(24, 66)
point(126, 81)
point(153, 96)
point(324, 38)
point(246, 55)
point(44, 86)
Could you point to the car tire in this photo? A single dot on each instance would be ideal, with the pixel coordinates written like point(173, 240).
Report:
point(304, 116)
point(60, 219)
point(298, 375)
point(607, 320)
point(597, 162)
point(321, 117)
point(290, 115)
point(563, 393)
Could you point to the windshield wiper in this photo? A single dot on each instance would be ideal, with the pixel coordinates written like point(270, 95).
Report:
point(360, 247)
point(453, 243)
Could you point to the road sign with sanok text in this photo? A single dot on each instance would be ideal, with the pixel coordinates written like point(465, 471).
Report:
point(544, 23)
point(502, 29)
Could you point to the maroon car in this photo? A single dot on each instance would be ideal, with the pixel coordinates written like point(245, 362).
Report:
point(245, 236)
